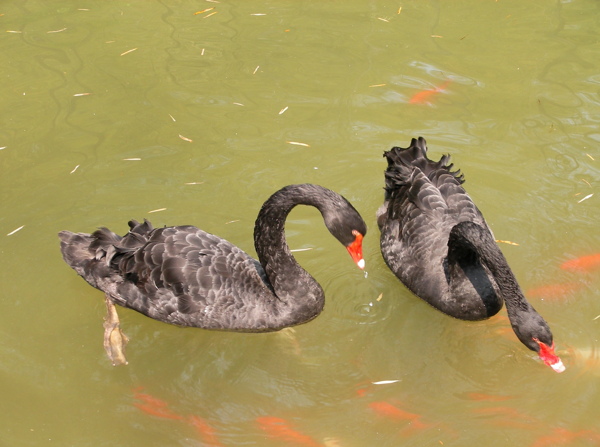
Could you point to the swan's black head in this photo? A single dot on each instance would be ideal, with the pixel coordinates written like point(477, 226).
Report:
point(533, 331)
point(348, 227)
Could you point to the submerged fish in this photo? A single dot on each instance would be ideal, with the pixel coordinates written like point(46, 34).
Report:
point(280, 429)
point(488, 397)
point(563, 436)
point(155, 407)
point(207, 432)
point(582, 264)
point(397, 414)
point(425, 96)
point(504, 416)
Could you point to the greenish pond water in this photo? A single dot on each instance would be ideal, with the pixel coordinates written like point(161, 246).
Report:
point(111, 110)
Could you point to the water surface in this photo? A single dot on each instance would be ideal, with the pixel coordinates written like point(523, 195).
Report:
point(112, 110)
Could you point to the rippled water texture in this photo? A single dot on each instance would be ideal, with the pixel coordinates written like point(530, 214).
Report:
point(113, 111)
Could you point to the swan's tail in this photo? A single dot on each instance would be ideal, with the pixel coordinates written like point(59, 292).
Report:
point(95, 256)
point(403, 161)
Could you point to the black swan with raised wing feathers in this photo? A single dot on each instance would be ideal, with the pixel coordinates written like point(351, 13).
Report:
point(438, 244)
point(185, 276)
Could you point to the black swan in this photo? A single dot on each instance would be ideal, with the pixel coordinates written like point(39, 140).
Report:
point(438, 244)
point(185, 276)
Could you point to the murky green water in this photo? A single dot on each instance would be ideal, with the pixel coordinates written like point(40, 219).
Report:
point(109, 110)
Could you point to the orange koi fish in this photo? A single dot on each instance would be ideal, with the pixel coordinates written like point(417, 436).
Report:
point(425, 96)
point(154, 406)
point(562, 436)
point(554, 291)
point(582, 264)
point(392, 412)
point(158, 412)
point(209, 437)
point(150, 400)
point(361, 392)
point(508, 417)
point(488, 397)
point(280, 429)
point(503, 411)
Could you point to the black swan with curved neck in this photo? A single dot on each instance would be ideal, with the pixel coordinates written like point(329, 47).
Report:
point(188, 277)
point(438, 244)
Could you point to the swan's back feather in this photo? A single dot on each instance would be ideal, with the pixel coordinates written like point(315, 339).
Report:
point(424, 200)
point(181, 275)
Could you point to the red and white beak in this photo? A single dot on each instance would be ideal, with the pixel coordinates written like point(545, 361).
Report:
point(549, 357)
point(355, 250)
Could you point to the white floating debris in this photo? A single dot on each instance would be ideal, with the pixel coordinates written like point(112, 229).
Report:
point(74, 169)
point(14, 231)
point(132, 159)
point(203, 11)
point(256, 69)
point(298, 144)
point(585, 198)
point(128, 51)
point(157, 210)
point(171, 116)
point(283, 110)
point(185, 139)
point(232, 221)
point(506, 242)
point(194, 183)
point(82, 94)
point(56, 31)
point(385, 382)
point(238, 104)
point(300, 249)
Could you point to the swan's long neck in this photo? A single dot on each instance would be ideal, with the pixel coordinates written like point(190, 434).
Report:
point(468, 237)
point(291, 283)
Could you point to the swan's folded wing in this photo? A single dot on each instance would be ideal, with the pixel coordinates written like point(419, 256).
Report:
point(415, 227)
point(460, 206)
point(186, 276)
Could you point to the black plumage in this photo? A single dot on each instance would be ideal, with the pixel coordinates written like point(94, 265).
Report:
point(438, 244)
point(185, 276)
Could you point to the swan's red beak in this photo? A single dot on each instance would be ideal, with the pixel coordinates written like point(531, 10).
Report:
point(549, 357)
point(355, 249)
